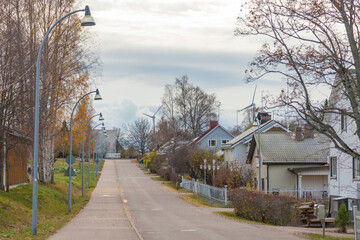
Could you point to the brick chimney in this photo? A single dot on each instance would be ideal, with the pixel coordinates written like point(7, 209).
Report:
point(308, 131)
point(298, 134)
point(213, 124)
point(264, 117)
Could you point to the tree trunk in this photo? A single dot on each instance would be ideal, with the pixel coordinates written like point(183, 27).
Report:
point(7, 170)
point(47, 160)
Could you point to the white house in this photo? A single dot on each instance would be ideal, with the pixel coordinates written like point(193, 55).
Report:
point(236, 150)
point(213, 138)
point(344, 177)
point(291, 163)
point(107, 145)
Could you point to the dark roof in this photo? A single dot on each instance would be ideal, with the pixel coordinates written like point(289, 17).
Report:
point(281, 147)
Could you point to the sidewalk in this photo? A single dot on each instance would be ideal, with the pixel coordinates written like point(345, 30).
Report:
point(104, 216)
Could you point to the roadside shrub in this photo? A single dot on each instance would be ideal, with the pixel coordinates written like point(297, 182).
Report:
point(165, 173)
point(179, 159)
point(266, 208)
point(343, 218)
point(235, 176)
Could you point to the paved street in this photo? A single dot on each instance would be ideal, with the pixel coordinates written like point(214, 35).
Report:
point(127, 204)
point(161, 214)
point(104, 216)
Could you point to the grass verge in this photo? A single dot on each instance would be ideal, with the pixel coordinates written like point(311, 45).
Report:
point(232, 216)
point(195, 200)
point(16, 205)
point(319, 236)
point(157, 178)
point(171, 185)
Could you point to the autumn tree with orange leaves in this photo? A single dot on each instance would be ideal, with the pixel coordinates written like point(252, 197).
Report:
point(309, 43)
point(64, 76)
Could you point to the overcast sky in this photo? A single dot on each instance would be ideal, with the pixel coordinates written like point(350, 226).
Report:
point(145, 44)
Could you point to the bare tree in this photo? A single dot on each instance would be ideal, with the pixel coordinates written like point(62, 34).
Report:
point(139, 134)
point(120, 139)
point(310, 43)
point(188, 107)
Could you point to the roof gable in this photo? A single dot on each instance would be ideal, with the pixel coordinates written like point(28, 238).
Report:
point(209, 131)
point(246, 136)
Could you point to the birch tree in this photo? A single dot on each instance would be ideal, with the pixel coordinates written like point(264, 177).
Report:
point(309, 43)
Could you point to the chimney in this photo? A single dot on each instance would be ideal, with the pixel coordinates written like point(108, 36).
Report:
point(298, 134)
point(264, 117)
point(308, 131)
point(213, 124)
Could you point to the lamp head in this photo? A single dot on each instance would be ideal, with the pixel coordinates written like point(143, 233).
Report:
point(87, 20)
point(101, 118)
point(98, 96)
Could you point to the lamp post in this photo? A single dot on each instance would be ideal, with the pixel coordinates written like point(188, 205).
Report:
point(86, 21)
point(213, 166)
point(101, 151)
point(95, 135)
point(89, 152)
point(63, 157)
point(204, 166)
point(97, 97)
point(104, 132)
point(101, 118)
point(258, 131)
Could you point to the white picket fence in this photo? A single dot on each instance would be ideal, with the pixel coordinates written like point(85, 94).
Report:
point(214, 193)
point(306, 194)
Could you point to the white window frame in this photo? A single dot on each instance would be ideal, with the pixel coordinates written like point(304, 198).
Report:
point(343, 120)
point(356, 169)
point(224, 141)
point(210, 141)
point(332, 167)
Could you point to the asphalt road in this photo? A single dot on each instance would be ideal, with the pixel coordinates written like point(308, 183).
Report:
point(158, 213)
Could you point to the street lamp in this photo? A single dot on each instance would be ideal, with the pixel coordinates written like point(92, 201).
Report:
point(101, 118)
point(97, 97)
point(204, 166)
point(86, 21)
point(95, 135)
point(101, 148)
point(258, 132)
point(89, 152)
point(104, 132)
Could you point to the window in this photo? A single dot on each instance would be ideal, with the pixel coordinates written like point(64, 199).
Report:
point(224, 141)
point(356, 168)
point(333, 167)
point(212, 143)
point(343, 120)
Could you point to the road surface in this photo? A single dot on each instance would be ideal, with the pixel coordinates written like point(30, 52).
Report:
point(159, 214)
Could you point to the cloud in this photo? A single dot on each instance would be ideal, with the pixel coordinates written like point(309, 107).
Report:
point(117, 114)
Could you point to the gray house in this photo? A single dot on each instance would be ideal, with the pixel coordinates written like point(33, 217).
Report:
point(213, 138)
point(236, 150)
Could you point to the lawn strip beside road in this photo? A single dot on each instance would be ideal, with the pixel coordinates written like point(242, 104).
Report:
point(16, 205)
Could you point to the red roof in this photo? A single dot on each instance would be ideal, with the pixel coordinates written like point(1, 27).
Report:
point(213, 124)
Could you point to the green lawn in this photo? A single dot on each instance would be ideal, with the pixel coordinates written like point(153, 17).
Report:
point(16, 206)
point(319, 236)
point(232, 215)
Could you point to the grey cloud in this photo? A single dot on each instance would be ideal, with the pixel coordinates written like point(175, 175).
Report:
point(116, 114)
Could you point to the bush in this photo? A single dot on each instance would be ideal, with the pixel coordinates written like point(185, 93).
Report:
point(343, 218)
point(235, 176)
point(153, 162)
point(266, 208)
